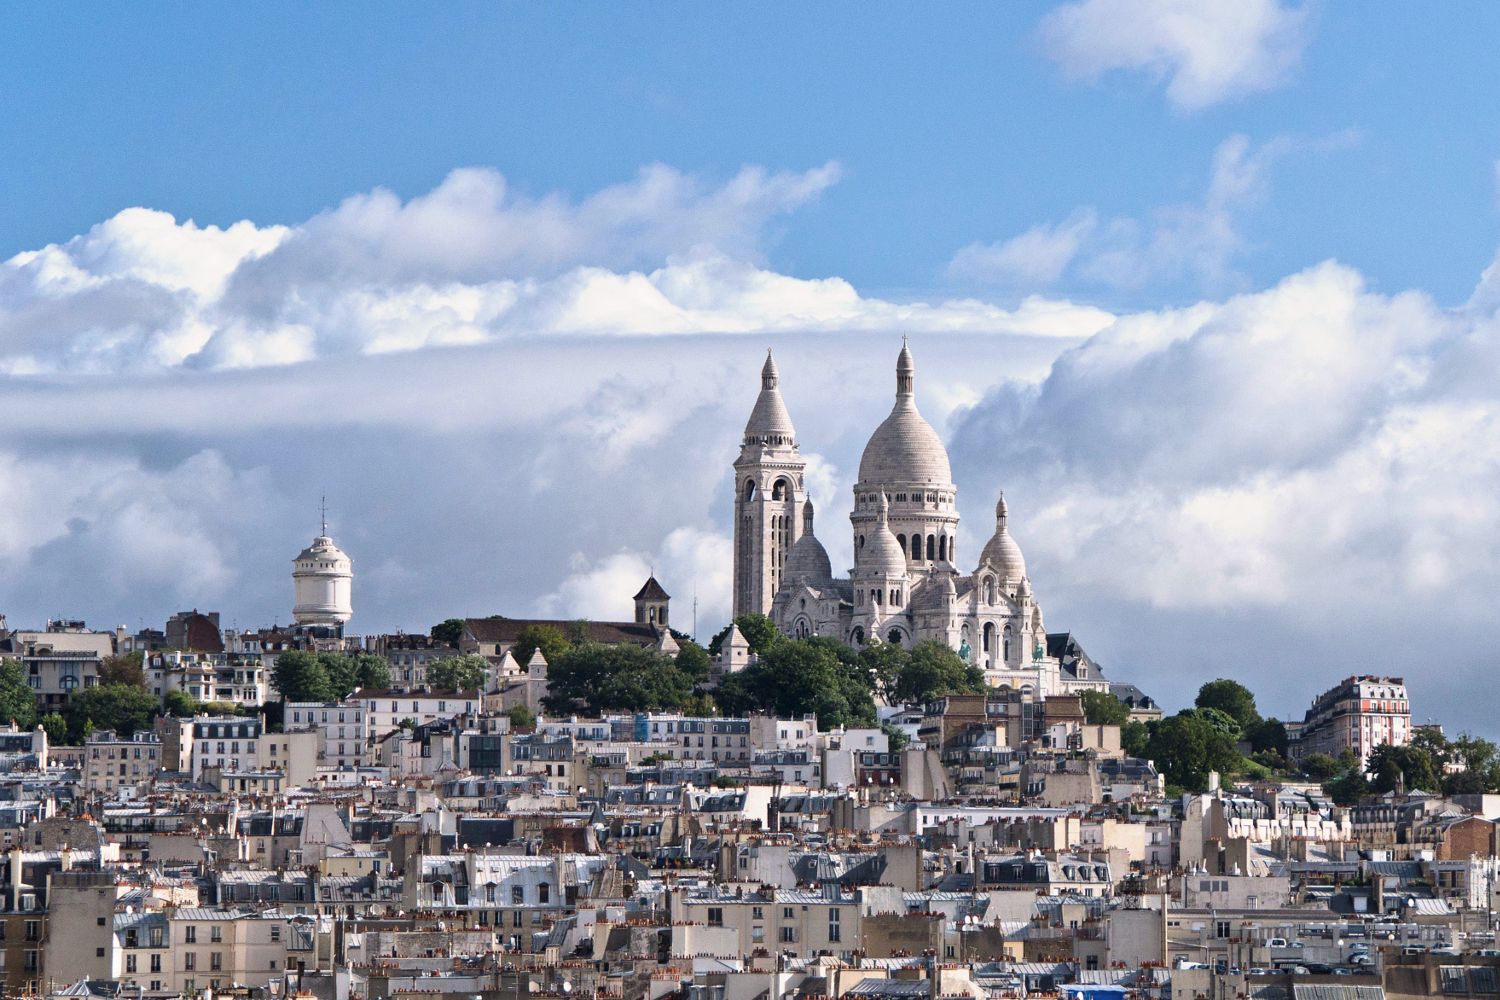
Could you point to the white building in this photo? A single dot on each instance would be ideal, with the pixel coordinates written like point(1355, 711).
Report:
point(906, 585)
point(342, 737)
point(384, 711)
point(323, 580)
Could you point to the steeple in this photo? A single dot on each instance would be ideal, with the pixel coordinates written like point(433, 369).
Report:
point(768, 497)
point(906, 371)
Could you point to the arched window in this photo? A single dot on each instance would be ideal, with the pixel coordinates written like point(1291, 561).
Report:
point(989, 590)
point(893, 596)
point(894, 637)
point(916, 546)
point(861, 541)
point(875, 597)
point(931, 547)
point(942, 546)
point(1008, 637)
point(779, 491)
point(989, 636)
point(749, 489)
point(857, 637)
point(901, 540)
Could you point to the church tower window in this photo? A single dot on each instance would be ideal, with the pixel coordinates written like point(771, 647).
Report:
point(942, 546)
point(916, 546)
point(989, 636)
point(931, 547)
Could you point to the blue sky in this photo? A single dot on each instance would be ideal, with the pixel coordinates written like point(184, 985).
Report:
point(953, 126)
point(1201, 286)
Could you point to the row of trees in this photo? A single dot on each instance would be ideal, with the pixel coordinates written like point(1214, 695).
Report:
point(791, 677)
point(1208, 737)
point(120, 702)
point(302, 675)
point(1430, 762)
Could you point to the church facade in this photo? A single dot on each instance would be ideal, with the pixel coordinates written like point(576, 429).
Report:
point(909, 583)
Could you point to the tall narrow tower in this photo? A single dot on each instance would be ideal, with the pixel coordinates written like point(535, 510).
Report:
point(768, 497)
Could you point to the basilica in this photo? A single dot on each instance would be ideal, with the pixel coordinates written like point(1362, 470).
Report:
point(907, 584)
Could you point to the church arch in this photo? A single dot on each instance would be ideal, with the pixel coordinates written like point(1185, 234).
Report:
point(781, 490)
point(989, 590)
point(989, 637)
point(894, 637)
point(931, 547)
point(916, 546)
point(857, 636)
point(942, 547)
point(1009, 641)
point(901, 540)
point(749, 489)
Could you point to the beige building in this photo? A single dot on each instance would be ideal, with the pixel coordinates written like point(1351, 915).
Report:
point(1358, 715)
point(112, 763)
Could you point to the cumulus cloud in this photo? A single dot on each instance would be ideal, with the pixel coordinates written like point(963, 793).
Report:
point(1207, 52)
point(1317, 453)
point(699, 560)
point(467, 263)
point(1195, 241)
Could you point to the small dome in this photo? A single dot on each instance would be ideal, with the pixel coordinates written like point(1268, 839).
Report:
point(1001, 553)
point(808, 560)
point(769, 419)
point(882, 555)
point(905, 448)
point(321, 548)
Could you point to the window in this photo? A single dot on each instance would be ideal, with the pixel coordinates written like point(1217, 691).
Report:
point(517, 895)
point(543, 892)
point(189, 961)
point(716, 916)
point(216, 961)
point(191, 934)
point(129, 962)
point(788, 935)
point(833, 923)
point(155, 963)
point(275, 932)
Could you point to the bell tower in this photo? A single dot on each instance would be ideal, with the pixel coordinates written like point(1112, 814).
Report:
point(768, 498)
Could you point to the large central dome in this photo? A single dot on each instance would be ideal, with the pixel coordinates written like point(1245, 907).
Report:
point(905, 448)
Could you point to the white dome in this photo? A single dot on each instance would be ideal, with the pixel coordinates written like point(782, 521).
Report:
point(808, 560)
point(1001, 553)
point(881, 555)
point(905, 448)
point(769, 422)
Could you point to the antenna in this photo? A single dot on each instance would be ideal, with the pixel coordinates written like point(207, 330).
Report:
point(695, 610)
point(323, 511)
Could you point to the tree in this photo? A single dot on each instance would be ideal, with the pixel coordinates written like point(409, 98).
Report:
point(1233, 699)
point(370, 673)
point(933, 670)
point(56, 727)
point(1348, 788)
point(467, 672)
point(693, 660)
point(1480, 760)
point(1319, 766)
point(598, 677)
point(1408, 766)
point(179, 703)
point(759, 631)
point(699, 705)
point(1269, 735)
point(1222, 721)
point(1190, 744)
point(548, 638)
point(1134, 737)
point(882, 663)
point(1100, 708)
point(449, 630)
point(800, 677)
point(522, 719)
point(17, 700)
point(123, 708)
point(301, 676)
point(125, 668)
point(897, 737)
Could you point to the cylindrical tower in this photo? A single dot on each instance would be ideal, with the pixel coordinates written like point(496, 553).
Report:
point(323, 581)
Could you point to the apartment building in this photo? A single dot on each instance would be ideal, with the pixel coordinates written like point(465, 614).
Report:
point(340, 728)
point(1360, 714)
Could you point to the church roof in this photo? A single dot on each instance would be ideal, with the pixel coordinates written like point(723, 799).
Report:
point(905, 448)
point(652, 591)
point(322, 547)
point(504, 631)
point(881, 554)
point(808, 560)
point(769, 418)
point(1001, 553)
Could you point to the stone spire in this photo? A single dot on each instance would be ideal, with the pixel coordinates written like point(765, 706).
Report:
point(770, 424)
point(906, 371)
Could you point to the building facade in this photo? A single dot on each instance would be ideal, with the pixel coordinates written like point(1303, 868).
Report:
point(1358, 715)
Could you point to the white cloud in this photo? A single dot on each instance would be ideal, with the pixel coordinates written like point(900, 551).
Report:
point(467, 263)
point(602, 588)
point(1207, 50)
point(1038, 256)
